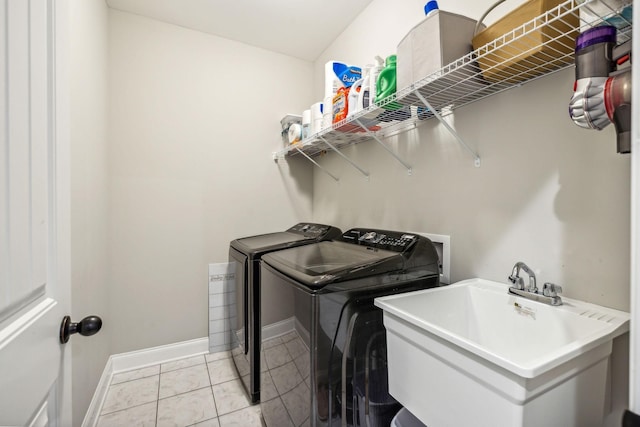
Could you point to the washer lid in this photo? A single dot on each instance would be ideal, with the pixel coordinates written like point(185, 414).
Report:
point(300, 234)
point(267, 242)
point(319, 264)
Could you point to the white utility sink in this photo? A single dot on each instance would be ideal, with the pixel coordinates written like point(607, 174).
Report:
point(472, 354)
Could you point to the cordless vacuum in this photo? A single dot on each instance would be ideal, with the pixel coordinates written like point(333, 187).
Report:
point(602, 90)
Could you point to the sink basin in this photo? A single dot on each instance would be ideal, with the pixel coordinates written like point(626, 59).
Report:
point(503, 359)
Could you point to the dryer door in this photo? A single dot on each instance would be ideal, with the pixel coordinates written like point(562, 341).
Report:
point(363, 388)
point(238, 331)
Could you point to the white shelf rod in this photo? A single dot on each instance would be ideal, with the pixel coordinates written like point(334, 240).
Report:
point(362, 171)
point(389, 150)
point(316, 163)
point(476, 158)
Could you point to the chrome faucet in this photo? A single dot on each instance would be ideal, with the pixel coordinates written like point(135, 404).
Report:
point(519, 282)
point(549, 294)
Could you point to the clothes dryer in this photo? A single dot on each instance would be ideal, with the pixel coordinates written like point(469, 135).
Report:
point(244, 331)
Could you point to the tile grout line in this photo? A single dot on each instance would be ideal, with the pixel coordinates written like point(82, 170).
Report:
point(286, 408)
point(183, 367)
point(158, 399)
point(124, 409)
point(133, 379)
point(269, 369)
point(236, 379)
point(293, 359)
point(101, 414)
point(211, 388)
point(181, 393)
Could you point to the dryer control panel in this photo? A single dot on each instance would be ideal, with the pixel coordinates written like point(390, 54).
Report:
point(315, 231)
point(381, 239)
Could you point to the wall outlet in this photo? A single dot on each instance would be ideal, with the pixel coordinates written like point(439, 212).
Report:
point(442, 244)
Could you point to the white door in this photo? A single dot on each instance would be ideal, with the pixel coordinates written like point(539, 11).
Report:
point(34, 214)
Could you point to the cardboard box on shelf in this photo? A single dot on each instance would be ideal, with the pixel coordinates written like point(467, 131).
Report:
point(531, 51)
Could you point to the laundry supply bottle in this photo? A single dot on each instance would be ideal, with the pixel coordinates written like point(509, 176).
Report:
point(333, 72)
point(364, 94)
point(354, 95)
point(316, 118)
point(365, 91)
point(431, 8)
point(373, 77)
point(306, 124)
point(386, 84)
point(340, 104)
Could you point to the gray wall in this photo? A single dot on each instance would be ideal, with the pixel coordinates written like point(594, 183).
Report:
point(193, 121)
point(89, 194)
point(172, 132)
point(547, 193)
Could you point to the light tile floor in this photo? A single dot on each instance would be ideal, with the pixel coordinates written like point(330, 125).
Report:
point(285, 381)
point(201, 391)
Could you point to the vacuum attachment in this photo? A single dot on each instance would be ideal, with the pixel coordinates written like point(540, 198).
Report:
point(602, 90)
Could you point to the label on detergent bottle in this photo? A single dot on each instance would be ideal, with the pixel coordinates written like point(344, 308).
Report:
point(347, 74)
point(340, 104)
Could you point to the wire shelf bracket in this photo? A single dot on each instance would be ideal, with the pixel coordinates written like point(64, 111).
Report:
point(335, 178)
point(389, 150)
point(476, 158)
point(351, 162)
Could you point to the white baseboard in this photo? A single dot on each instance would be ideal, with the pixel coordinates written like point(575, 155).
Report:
point(135, 360)
point(279, 328)
point(155, 355)
point(93, 412)
point(302, 331)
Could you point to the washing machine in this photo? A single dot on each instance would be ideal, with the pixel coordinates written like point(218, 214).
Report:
point(330, 366)
point(245, 253)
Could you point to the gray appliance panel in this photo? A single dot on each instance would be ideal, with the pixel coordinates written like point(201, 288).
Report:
point(264, 241)
point(311, 264)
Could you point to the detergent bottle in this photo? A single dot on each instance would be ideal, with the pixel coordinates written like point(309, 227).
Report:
point(338, 75)
point(365, 89)
point(373, 77)
point(340, 104)
point(354, 95)
point(386, 84)
point(430, 8)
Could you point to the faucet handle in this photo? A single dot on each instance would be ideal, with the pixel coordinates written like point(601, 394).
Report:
point(518, 282)
point(551, 290)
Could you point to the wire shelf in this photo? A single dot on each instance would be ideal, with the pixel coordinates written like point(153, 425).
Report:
point(538, 48)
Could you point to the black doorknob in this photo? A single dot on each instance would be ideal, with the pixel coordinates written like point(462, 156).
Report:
point(88, 326)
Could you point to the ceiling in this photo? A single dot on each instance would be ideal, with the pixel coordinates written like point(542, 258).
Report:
point(298, 28)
